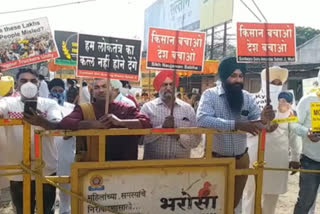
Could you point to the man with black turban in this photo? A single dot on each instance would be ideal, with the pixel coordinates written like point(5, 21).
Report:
point(227, 107)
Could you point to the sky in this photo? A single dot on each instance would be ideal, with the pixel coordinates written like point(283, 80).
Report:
point(124, 18)
point(299, 12)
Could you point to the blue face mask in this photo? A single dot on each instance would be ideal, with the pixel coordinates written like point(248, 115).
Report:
point(59, 97)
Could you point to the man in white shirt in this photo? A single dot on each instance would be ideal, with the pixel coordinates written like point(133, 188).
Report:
point(13, 108)
point(43, 89)
point(66, 145)
point(310, 158)
point(117, 96)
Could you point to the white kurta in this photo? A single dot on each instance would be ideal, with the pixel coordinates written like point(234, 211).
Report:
point(278, 145)
point(66, 154)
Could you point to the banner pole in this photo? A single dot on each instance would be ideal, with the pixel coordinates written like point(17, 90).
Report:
point(173, 100)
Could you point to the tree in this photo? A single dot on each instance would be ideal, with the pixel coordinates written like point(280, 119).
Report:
point(304, 34)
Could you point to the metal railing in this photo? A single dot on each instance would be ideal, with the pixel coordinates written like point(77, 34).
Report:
point(27, 171)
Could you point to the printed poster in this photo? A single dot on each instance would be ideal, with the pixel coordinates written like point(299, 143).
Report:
point(200, 190)
point(25, 43)
point(315, 116)
point(108, 57)
point(67, 46)
point(172, 49)
point(259, 42)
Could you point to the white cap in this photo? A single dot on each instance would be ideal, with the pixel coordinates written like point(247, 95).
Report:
point(116, 84)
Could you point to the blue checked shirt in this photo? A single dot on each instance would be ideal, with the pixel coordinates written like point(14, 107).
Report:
point(214, 112)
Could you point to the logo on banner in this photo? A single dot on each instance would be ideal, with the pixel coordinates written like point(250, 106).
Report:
point(96, 183)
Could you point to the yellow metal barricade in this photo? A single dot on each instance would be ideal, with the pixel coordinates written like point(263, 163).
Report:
point(25, 162)
point(79, 168)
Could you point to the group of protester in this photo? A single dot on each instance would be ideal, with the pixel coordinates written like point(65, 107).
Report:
point(225, 107)
point(28, 47)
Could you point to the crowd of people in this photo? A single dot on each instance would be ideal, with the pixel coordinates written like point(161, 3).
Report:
point(28, 47)
point(225, 107)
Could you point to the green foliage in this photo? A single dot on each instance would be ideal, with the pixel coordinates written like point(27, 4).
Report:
point(304, 34)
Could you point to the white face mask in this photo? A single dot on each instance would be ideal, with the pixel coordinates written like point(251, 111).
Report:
point(29, 90)
point(275, 88)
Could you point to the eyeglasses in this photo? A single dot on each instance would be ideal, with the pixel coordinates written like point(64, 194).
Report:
point(167, 84)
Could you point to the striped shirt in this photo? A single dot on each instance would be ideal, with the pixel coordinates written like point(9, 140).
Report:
point(168, 147)
point(214, 112)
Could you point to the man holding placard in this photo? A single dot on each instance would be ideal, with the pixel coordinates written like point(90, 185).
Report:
point(93, 116)
point(159, 111)
point(227, 107)
point(280, 139)
point(308, 129)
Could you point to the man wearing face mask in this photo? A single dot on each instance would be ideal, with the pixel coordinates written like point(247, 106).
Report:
point(159, 109)
point(93, 116)
point(13, 108)
point(66, 146)
point(280, 139)
point(227, 107)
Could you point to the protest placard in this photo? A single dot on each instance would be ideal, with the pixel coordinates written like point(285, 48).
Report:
point(261, 42)
point(26, 43)
point(172, 49)
point(108, 57)
point(315, 116)
point(67, 45)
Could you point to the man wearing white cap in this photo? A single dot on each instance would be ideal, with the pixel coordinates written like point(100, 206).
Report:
point(117, 96)
point(279, 139)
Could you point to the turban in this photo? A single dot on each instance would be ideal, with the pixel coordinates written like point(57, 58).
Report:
point(286, 95)
point(6, 84)
point(116, 84)
point(125, 84)
point(56, 82)
point(227, 66)
point(276, 73)
point(162, 76)
point(71, 82)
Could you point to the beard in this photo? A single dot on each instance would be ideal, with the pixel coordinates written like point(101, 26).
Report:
point(165, 95)
point(234, 96)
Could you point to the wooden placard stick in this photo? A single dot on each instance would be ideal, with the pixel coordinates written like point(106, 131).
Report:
point(173, 100)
